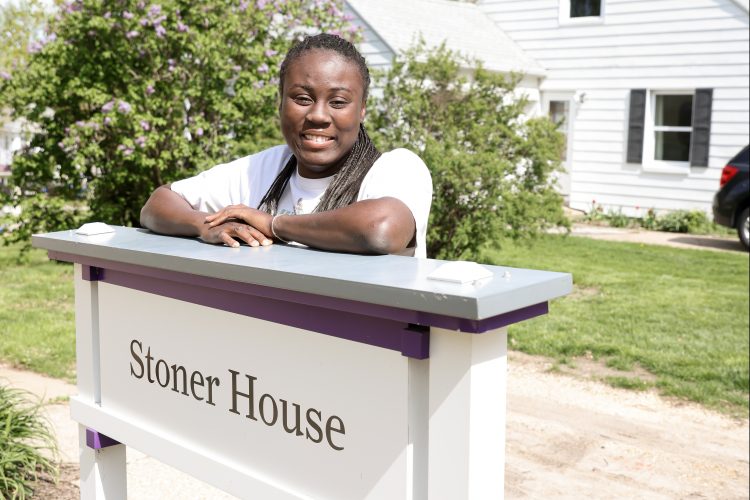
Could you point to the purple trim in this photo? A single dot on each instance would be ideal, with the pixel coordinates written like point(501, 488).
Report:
point(97, 441)
point(374, 324)
point(91, 273)
point(374, 331)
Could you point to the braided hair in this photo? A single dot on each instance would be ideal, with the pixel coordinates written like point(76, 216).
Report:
point(345, 186)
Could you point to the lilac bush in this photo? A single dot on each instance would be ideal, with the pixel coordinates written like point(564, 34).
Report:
point(128, 95)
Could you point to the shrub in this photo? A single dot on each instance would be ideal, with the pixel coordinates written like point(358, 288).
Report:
point(492, 170)
point(684, 221)
point(27, 446)
point(129, 95)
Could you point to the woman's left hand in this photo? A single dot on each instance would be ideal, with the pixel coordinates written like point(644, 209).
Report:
point(256, 218)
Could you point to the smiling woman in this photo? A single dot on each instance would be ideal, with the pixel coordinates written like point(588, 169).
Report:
point(328, 187)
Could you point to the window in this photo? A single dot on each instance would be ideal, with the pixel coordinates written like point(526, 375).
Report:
point(673, 119)
point(585, 8)
point(669, 130)
point(581, 12)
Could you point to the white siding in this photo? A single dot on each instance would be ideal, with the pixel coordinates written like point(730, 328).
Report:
point(651, 44)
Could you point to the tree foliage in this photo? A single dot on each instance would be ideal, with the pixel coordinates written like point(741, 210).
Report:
point(128, 95)
point(21, 24)
point(493, 170)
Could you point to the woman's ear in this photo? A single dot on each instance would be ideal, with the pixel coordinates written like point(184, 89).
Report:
point(362, 113)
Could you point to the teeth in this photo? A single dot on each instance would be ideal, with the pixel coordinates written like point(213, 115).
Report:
point(317, 138)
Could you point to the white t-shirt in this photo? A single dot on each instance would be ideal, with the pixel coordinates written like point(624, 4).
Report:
point(398, 174)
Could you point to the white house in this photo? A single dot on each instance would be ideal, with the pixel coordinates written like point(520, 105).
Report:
point(654, 93)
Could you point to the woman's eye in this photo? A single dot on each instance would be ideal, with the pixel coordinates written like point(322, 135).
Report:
point(302, 99)
point(338, 103)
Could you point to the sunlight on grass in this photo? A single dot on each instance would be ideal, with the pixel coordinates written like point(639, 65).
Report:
point(682, 315)
point(37, 329)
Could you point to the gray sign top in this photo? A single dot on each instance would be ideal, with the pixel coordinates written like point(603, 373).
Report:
point(387, 280)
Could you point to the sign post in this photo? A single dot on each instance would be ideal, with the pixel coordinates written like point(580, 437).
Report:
point(288, 373)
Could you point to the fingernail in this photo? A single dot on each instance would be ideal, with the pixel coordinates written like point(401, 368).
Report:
point(267, 242)
point(254, 244)
point(235, 244)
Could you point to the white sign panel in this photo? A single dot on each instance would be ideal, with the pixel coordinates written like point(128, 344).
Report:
point(319, 415)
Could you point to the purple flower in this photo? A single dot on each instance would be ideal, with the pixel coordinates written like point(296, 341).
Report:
point(236, 68)
point(199, 132)
point(270, 53)
point(154, 10)
point(263, 68)
point(107, 15)
point(243, 5)
point(34, 47)
point(259, 84)
point(261, 3)
point(160, 31)
point(51, 38)
point(131, 34)
point(140, 141)
point(149, 90)
point(124, 107)
point(108, 107)
point(127, 15)
point(181, 27)
point(145, 125)
point(107, 120)
point(144, 22)
point(4, 75)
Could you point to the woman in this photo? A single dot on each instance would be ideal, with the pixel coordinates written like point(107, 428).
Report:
point(327, 188)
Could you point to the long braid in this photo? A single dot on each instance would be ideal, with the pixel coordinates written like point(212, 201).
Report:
point(344, 188)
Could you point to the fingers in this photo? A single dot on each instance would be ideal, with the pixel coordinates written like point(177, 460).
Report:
point(234, 231)
point(230, 212)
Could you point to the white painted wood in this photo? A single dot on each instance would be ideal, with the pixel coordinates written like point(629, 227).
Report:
point(103, 472)
point(367, 388)
point(87, 334)
point(467, 400)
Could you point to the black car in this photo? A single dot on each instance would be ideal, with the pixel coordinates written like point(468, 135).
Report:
point(731, 203)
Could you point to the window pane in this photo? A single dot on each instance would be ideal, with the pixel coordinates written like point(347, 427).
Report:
point(674, 110)
point(672, 146)
point(585, 8)
point(558, 113)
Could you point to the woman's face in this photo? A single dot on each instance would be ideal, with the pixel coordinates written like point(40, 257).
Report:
point(321, 108)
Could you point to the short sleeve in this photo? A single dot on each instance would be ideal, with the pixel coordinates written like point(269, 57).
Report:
point(403, 175)
point(242, 181)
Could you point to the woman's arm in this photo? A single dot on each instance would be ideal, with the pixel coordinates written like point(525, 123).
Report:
point(166, 212)
point(375, 226)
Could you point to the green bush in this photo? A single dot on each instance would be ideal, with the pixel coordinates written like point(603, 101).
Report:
point(126, 96)
point(492, 170)
point(27, 446)
point(684, 221)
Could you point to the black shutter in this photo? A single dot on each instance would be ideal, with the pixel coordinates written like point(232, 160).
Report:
point(701, 136)
point(636, 125)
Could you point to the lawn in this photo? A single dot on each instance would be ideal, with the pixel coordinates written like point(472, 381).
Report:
point(680, 315)
point(37, 328)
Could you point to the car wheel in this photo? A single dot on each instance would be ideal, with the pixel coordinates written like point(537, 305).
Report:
point(743, 227)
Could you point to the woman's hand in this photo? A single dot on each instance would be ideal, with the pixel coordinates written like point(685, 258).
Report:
point(238, 222)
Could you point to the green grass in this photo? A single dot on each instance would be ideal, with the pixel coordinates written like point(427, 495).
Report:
point(37, 329)
point(681, 315)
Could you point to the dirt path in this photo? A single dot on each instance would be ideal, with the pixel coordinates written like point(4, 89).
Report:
point(574, 438)
point(567, 437)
